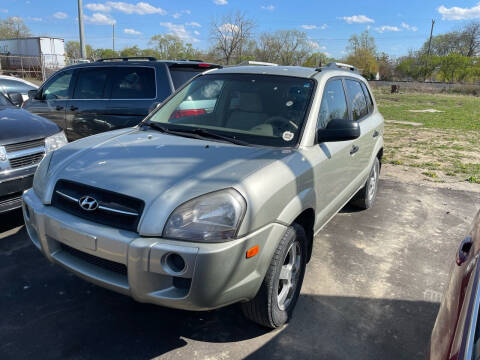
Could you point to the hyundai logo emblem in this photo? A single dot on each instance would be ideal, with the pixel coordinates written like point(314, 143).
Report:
point(88, 203)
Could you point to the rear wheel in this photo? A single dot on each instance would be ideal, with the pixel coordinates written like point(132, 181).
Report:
point(366, 196)
point(274, 303)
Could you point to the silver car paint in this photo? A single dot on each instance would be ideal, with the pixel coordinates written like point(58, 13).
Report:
point(165, 171)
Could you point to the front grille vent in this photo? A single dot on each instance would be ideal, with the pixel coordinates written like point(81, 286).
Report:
point(115, 210)
point(27, 160)
point(25, 145)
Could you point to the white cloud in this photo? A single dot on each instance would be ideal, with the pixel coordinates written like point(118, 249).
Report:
point(131, 32)
point(180, 13)
point(220, 2)
point(458, 13)
point(386, 28)
point(4, 10)
point(309, 27)
point(60, 15)
point(268, 7)
point(196, 32)
point(315, 46)
point(179, 30)
point(99, 19)
point(409, 27)
point(176, 15)
point(323, 27)
point(193, 24)
point(140, 8)
point(358, 19)
point(229, 28)
point(35, 18)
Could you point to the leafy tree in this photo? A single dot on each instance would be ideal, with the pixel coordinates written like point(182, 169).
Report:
point(386, 67)
point(455, 67)
point(72, 50)
point(362, 41)
point(317, 59)
point(365, 61)
point(172, 47)
point(13, 27)
point(104, 53)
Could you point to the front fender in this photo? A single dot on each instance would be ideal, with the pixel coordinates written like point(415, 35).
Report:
point(303, 201)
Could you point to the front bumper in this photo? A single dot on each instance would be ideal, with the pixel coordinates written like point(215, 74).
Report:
point(214, 275)
point(12, 186)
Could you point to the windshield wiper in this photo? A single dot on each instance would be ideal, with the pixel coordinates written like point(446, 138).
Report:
point(197, 133)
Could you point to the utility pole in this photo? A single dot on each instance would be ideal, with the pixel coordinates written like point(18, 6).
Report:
point(83, 52)
point(113, 36)
point(430, 41)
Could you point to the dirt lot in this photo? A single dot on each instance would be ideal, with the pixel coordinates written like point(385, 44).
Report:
point(437, 137)
point(372, 291)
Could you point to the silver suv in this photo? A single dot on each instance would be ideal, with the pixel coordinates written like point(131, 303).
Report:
point(215, 198)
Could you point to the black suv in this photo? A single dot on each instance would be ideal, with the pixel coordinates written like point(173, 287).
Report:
point(108, 94)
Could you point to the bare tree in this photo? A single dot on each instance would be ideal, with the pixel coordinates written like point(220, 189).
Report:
point(470, 37)
point(286, 47)
point(13, 27)
point(230, 34)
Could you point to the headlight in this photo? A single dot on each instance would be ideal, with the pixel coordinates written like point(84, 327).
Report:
point(55, 142)
point(3, 154)
point(213, 217)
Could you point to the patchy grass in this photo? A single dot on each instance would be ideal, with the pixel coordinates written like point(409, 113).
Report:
point(446, 147)
point(460, 112)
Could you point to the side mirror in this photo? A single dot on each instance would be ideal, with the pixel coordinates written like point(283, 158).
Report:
point(339, 130)
point(32, 94)
point(16, 99)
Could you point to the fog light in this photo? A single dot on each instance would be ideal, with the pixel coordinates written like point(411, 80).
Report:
point(175, 263)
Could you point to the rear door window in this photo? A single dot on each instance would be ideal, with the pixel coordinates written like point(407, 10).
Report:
point(133, 83)
point(91, 84)
point(357, 99)
point(334, 104)
point(368, 96)
point(181, 75)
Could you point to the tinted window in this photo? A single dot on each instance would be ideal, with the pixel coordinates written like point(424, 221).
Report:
point(368, 96)
point(12, 86)
point(90, 84)
point(58, 87)
point(133, 83)
point(181, 75)
point(4, 101)
point(334, 104)
point(357, 99)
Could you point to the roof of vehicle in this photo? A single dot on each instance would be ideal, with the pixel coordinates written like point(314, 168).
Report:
point(7, 77)
point(122, 61)
point(296, 71)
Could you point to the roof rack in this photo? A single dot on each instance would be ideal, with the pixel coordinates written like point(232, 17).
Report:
point(258, 63)
point(128, 58)
point(339, 66)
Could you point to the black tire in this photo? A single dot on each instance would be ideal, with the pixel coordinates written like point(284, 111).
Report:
point(264, 308)
point(365, 198)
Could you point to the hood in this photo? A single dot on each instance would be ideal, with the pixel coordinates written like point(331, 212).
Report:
point(18, 125)
point(162, 170)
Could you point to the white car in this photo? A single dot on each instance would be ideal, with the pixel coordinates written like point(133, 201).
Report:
point(10, 85)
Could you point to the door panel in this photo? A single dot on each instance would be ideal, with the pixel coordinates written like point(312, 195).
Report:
point(85, 112)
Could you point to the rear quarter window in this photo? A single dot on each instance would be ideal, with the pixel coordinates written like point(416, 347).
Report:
point(181, 75)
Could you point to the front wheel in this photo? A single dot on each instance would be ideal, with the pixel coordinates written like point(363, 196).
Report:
point(366, 196)
point(274, 303)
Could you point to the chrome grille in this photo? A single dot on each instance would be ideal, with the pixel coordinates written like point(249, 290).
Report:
point(27, 160)
point(25, 145)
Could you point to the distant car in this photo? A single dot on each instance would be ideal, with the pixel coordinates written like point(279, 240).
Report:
point(10, 86)
point(456, 334)
point(24, 140)
point(109, 94)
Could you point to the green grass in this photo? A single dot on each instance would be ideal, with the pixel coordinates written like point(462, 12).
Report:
point(460, 111)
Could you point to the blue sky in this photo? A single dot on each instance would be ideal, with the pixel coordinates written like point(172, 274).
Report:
point(397, 25)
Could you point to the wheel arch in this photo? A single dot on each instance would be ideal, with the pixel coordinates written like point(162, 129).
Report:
point(307, 220)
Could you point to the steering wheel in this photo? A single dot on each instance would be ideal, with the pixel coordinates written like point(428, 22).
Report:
point(281, 124)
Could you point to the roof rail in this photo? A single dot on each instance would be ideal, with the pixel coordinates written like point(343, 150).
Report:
point(338, 65)
point(128, 58)
point(259, 63)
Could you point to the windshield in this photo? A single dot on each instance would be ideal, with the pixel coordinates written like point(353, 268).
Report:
point(255, 109)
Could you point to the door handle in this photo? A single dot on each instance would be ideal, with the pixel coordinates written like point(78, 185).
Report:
point(73, 108)
point(354, 149)
point(58, 108)
point(375, 133)
point(463, 250)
